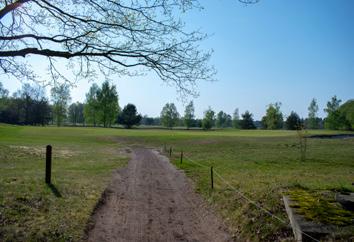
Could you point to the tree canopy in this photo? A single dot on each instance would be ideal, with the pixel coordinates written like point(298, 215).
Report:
point(209, 119)
point(169, 115)
point(91, 109)
point(27, 106)
point(312, 117)
point(335, 118)
point(189, 115)
point(76, 113)
point(274, 117)
point(107, 100)
point(109, 37)
point(223, 120)
point(247, 121)
point(348, 110)
point(236, 119)
point(129, 116)
point(293, 121)
point(60, 98)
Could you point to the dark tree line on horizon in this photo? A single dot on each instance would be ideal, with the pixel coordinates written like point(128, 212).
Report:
point(30, 106)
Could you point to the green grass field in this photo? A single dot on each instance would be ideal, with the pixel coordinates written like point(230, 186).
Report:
point(261, 164)
point(82, 166)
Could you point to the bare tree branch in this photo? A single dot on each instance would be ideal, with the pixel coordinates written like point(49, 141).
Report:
point(103, 36)
point(10, 7)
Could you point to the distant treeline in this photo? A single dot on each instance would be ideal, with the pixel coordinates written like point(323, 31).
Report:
point(27, 106)
point(30, 106)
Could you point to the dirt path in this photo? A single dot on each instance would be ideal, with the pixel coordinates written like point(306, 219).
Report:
point(150, 200)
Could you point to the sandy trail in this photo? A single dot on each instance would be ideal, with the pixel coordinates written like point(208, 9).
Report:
point(150, 200)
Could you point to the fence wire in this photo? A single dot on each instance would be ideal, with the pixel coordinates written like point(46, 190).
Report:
point(249, 200)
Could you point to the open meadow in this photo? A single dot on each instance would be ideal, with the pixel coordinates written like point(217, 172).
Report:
point(262, 165)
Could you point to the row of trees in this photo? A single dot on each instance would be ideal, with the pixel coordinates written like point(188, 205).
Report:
point(29, 106)
point(337, 117)
point(170, 117)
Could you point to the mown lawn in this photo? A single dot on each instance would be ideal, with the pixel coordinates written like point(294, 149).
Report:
point(261, 164)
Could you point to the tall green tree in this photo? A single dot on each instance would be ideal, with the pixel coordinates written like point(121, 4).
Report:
point(247, 121)
point(312, 117)
point(92, 108)
point(60, 98)
point(332, 105)
point(76, 113)
point(223, 120)
point(220, 119)
point(274, 117)
point(189, 115)
point(169, 115)
point(107, 98)
point(209, 119)
point(129, 116)
point(293, 122)
point(335, 119)
point(236, 119)
point(348, 110)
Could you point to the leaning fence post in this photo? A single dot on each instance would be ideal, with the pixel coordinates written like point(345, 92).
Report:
point(48, 164)
point(212, 177)
point(181, 156)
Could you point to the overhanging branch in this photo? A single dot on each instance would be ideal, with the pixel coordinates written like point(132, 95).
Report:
point(11, 7)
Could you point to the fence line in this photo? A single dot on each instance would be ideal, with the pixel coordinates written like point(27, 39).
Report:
point(247, 198)
point(195, 162)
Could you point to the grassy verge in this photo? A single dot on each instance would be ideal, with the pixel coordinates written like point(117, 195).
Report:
point(82, 166)
point(261, 164)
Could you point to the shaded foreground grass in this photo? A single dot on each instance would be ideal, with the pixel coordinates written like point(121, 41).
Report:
point(261, 164)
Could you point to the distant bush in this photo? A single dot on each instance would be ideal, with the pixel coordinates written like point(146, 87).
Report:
point(247, 121)
point(209, 119)
point(129, 116)
point(293, 122)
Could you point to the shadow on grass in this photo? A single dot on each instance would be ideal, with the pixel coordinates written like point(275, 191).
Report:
point(54, 190)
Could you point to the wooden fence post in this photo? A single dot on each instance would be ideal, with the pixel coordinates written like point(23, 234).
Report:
point(212, 177)
point(170, 151)
point(181, 156)
point(48, 165)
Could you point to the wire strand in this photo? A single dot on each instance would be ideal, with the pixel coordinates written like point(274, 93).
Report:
point(248, 199)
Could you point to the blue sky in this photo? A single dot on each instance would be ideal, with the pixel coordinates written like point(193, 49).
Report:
point(274, 51)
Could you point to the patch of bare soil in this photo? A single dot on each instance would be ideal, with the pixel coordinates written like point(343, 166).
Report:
point(40, 151)
point(150, 200)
